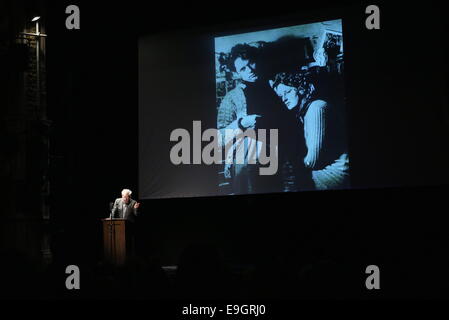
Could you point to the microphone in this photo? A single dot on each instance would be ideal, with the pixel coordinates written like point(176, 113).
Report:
point(111, 206)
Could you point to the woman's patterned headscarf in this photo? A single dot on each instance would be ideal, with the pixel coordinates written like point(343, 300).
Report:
point(299, 80)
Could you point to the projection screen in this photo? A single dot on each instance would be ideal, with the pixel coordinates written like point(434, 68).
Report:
point(243, 113)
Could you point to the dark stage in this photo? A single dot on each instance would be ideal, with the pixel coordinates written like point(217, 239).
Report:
point(68, 153)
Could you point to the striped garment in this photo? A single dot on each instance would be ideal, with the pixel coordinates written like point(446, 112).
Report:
point(331, 175)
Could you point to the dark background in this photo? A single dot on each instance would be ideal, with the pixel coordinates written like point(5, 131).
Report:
point(396, 82)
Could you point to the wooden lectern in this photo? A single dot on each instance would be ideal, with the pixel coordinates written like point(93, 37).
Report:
point(116, 240)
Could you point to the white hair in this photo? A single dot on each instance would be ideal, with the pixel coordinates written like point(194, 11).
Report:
point(126, 191)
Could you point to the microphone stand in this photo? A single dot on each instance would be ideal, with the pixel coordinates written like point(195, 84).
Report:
point(112, 234)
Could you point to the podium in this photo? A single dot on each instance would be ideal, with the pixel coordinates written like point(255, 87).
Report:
point(117, 240)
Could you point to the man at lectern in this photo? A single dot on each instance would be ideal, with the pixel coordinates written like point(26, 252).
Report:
point(125, 207)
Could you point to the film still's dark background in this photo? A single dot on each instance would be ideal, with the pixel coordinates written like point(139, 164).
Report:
point(396, 88)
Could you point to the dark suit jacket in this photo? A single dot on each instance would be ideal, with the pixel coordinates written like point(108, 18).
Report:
point(129, 213)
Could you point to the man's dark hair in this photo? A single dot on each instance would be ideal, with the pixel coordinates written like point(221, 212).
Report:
point(243, 51)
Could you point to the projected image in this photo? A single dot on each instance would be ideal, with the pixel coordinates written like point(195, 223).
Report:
point(280, 105)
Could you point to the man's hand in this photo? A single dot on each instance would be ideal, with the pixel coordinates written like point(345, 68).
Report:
point(136, 205)
point(249, 121)
point(227, 171)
